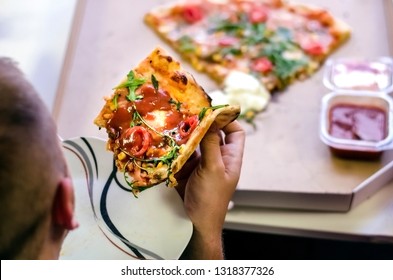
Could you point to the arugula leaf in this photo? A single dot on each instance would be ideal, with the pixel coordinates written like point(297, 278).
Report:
point(230, 26)
point(283, 68)
point(114, 101)
point(176, 103)
point(170, 156)
point(204, 110)
point(258, 34)
point(154, 81)
point(132, 84)
point(285, 34)
point(135, 119)
point(186, 44)
point(134, 190)
point(230, 50)
point(279, 43)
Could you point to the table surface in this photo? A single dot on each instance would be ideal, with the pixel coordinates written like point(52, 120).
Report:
point(101, 51)
point(370, 221)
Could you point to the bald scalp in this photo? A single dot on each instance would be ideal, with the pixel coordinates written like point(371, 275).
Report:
point(30, 164)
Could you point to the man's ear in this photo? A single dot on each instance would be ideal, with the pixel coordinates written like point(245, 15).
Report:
point(63, 205)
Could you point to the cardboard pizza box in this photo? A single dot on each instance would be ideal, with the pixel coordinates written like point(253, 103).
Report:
point(285, 165)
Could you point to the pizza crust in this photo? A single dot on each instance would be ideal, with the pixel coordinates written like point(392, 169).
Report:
point(180, 84)
point(220, 117)
point(338, 28)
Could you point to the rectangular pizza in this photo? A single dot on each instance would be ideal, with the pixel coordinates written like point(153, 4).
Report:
point(276, 41)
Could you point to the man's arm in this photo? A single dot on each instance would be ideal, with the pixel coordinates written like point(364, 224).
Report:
point(209, 189)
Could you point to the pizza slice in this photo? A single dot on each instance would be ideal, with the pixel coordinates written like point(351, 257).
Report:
point(156, 118)
point(276, 41)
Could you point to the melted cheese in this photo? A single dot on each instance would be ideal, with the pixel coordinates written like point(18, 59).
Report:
point(157, 119)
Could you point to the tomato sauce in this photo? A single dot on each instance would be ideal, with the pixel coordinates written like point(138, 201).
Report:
point(158, 111)
point(158, 100)
point(121, 119)
point(152, 100)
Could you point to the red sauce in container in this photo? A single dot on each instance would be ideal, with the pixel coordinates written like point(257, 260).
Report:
point(347, 121)
point(360, 123)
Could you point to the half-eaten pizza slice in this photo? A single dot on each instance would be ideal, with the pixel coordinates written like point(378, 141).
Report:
point(156, 118)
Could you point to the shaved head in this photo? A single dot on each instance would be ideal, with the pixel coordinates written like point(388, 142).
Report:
point(31, 162)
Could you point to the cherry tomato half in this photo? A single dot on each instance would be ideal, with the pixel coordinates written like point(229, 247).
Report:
point(192, 13)
point(258, 14)
point(187, 126)
point(262, 64)
point(313, 48)
point(136, 140)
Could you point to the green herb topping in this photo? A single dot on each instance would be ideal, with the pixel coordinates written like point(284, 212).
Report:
point(132, 84)
point(204, 109)
point(176, 103)
point(154, 81)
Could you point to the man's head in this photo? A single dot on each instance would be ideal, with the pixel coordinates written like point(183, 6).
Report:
point(36, 195)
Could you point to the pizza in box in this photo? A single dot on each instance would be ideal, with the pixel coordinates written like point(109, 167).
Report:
point(275, 41)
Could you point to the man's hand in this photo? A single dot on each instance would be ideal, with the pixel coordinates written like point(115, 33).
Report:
point(209, 187)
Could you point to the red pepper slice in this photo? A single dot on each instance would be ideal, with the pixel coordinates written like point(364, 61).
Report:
point(262, 64)
point(187, 126)
point(136, 140)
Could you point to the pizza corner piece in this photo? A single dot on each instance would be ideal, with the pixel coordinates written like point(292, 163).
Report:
point(155, 119)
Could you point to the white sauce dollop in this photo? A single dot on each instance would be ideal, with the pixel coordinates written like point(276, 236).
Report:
point(244, 90)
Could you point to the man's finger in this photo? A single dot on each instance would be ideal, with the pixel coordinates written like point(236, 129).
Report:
point(210, 146)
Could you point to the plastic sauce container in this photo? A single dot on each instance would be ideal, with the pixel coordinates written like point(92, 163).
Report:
point(357, 124)
point(359, 74)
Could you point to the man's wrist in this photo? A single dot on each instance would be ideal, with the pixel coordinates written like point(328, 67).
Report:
point(204, 246)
